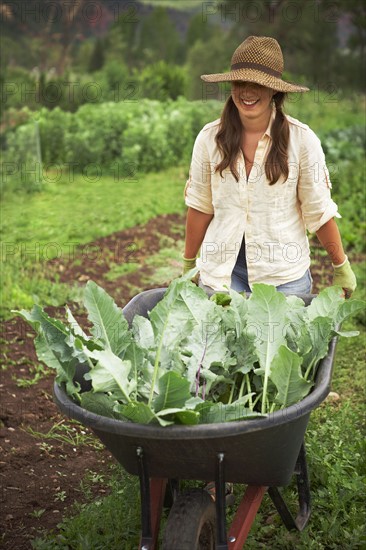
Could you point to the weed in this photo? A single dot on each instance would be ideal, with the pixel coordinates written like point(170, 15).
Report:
point(37, 372)
point(60, 496)
point(119, 270)
point(37, 513)
point(46, 447)
point(167, 263)
point(70, 432)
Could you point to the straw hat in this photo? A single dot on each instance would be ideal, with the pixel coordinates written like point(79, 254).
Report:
point(258, 59)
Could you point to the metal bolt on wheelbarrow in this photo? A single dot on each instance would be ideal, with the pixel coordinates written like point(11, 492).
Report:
point(262, 453)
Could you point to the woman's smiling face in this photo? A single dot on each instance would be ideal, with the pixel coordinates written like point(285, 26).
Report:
point(252, 100)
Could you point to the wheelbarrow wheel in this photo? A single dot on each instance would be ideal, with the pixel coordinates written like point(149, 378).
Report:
point(191, 524)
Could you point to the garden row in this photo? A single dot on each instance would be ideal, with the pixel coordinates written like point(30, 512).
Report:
point(145, 135)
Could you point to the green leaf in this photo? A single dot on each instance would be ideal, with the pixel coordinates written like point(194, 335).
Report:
point(173, 392)
point(136, 412)
point(221, 298)
point(55, 332)
point(267, 310)
point(171, 320)
point(110, 373)
point(348, 333)
point(239, 307)
point(206, 346)
point(348, 308)
point(244, 350)
point(65, 370)
point(211, 413)
point(187, 417)
point(143, 333)
point(52, 346)
point(109, 325)
point(98, 403)
point(326, 304)
point(179, 416)
point(171, 323)
point(320, 333)
point(140, 413)
point(295, 321)
point(287, 377)
point(74, 325)
point(193, 402)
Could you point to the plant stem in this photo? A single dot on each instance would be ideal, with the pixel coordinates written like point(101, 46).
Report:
point(77, 395)
point(233, 385)
point(155, 373)
point(249, 391)
point(265, 384)
point(309, 369)
point(198, 373)
point(241, 391)
point(90, 362)
point(257, 399)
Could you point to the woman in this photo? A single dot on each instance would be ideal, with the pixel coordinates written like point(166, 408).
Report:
point(258, 180)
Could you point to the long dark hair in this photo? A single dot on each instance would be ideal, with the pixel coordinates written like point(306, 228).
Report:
point(228, 140)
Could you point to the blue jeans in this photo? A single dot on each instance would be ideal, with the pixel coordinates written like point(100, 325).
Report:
point(239, 278)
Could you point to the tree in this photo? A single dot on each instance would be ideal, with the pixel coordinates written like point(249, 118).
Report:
point(309, 35)
point(200, 29)
point(162, 81)
point(158, 39)
point(96, 61)
point(204, 58)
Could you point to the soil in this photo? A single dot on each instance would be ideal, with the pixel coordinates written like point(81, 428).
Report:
point(40, 476)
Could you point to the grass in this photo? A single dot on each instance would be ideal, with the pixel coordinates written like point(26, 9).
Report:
point(54, 222)
point(182, 5)
point(70, 432)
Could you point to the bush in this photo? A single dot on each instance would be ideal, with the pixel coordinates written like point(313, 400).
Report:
point(149, 134)
point(162, 81)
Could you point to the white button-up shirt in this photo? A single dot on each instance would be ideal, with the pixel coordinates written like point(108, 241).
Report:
point(274, 218)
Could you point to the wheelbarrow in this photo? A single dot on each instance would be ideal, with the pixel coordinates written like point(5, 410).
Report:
point(262, 453)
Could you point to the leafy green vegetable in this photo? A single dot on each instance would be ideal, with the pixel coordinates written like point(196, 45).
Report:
point(192, 359)
point(286, 375)
point(109, 325)
point(266, 319)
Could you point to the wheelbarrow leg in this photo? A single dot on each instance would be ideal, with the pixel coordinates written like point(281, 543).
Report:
point(220, 502)
point(245, 516)
point(303, 490)
point(152, 498)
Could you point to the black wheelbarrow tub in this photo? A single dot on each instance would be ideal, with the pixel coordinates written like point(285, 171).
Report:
point(259, 451)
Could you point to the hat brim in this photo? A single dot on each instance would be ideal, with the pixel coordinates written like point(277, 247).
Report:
point(259, 77)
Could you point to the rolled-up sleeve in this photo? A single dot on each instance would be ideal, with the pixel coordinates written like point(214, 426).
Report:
point(314, 184)
point(197, 192)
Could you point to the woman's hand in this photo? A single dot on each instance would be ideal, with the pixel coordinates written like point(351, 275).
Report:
point(343, 276)
point(188, 264)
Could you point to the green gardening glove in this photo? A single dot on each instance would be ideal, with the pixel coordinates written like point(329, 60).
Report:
point(343, 276)
point(188, 264)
